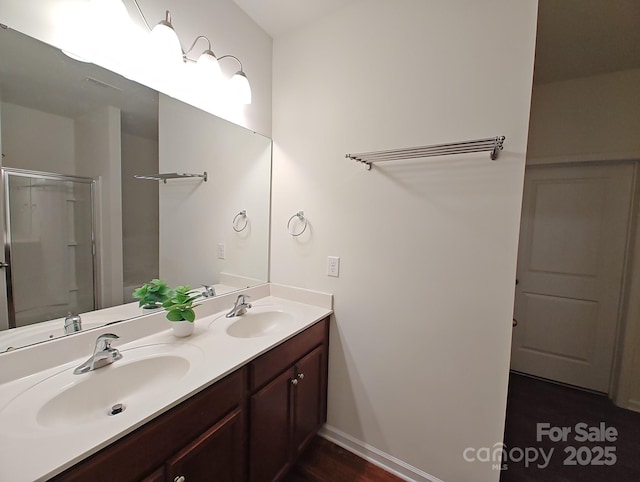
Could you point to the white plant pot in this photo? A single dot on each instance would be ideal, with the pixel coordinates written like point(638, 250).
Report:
point(182, 328)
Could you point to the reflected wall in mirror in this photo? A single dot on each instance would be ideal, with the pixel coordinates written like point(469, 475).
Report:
point(197, 218)
point(59, 116)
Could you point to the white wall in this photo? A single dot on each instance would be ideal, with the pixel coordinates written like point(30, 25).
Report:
point(37, 140)
point(590, 118)
point(228, 27)
point(195, 216)
point(420, 344)
point(98, 155)
point(140, 216)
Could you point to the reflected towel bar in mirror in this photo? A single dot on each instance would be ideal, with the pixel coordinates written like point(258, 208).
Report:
point(171, 175)
point(490, 144)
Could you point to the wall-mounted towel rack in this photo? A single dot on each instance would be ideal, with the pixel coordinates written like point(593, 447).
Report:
point(170, 175)
point(490, 144)
point(301, 219)
point(241, 215)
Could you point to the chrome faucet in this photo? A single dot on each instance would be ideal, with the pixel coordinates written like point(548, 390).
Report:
point(72, 323)
point(209, 291)
point(240, 307)
point(103, 355)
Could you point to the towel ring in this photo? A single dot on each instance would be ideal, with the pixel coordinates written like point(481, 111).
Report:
point(241, 214)
point(301, 218)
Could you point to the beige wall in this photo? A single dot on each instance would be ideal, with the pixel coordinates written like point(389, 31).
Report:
point(586, 119)
point(140, 216)
point(98, 155)
point(37, 140)
point(420, 342)
point(626, 389)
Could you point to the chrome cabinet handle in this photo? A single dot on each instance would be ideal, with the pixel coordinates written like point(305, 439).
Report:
point(3, 265)
point(301, 376)
point(180, 478)
point(294, 381)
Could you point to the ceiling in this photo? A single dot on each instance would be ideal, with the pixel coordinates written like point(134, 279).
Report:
point(576, 38)
point(278, 17)
point(36, 75)
point(580, 38)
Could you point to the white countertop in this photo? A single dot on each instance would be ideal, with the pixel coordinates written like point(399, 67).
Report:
point(30, 451)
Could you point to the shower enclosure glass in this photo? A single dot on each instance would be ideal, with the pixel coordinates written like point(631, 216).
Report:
point(49, 246)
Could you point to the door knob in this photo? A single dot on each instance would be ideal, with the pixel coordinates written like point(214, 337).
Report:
point(515, 322)
point(301, 376)
point(180, 478)
point(3, 265)
point(294, 381)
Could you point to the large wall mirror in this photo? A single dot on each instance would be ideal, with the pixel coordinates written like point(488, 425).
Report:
point(104, 188)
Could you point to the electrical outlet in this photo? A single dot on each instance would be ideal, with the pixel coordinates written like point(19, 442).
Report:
point(221, 250)
point(333, 266)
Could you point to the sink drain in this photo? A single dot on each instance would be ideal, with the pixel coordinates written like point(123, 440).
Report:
point(117, 408)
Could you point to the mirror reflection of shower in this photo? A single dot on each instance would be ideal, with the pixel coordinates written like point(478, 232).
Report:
point(49, 246)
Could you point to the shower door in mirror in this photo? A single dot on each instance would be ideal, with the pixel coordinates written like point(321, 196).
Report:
point(49, 246)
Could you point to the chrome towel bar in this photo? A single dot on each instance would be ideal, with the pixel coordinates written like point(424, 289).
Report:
point(171, 175)
point(490, 144)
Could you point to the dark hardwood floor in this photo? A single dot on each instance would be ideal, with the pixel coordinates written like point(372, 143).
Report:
point(533, 401)
point(324, 461)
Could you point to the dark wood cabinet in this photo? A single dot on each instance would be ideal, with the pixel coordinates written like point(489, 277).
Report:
point(215, 455)
point(267, 410)
point(157, 476)
point(287, 411)
point(308, 393)
point(270, 433)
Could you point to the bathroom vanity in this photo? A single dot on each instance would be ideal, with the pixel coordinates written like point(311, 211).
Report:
point(253, 422)
point(237, 401)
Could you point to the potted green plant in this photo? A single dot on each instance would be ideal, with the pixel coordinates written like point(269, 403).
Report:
point(179, 308)
point(152, 294)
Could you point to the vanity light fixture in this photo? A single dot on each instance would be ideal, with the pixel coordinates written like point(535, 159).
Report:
point(207, 62)
point(239, 83)
point(165, 39)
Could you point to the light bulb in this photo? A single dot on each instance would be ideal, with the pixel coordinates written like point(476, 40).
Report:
point(165, 42)
point(111, 29)
point(240, 87)
point(209, 68)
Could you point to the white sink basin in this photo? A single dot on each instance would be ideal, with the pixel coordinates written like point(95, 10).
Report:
point(261, 321)
point(66, 400)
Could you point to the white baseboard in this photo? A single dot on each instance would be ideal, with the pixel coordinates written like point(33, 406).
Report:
point(633, 405)
point(376, 456)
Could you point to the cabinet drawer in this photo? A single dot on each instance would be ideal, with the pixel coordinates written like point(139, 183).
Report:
point(139, 453)
point(271, 364)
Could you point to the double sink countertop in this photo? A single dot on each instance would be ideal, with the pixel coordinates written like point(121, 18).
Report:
point(52, 419)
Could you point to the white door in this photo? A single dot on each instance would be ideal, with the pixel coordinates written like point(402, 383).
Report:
point(570, 263)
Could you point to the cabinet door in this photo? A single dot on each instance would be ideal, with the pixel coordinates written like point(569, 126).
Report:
point(270, 433)
point(215, 455)
point(307, 398)
point(157, 476)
